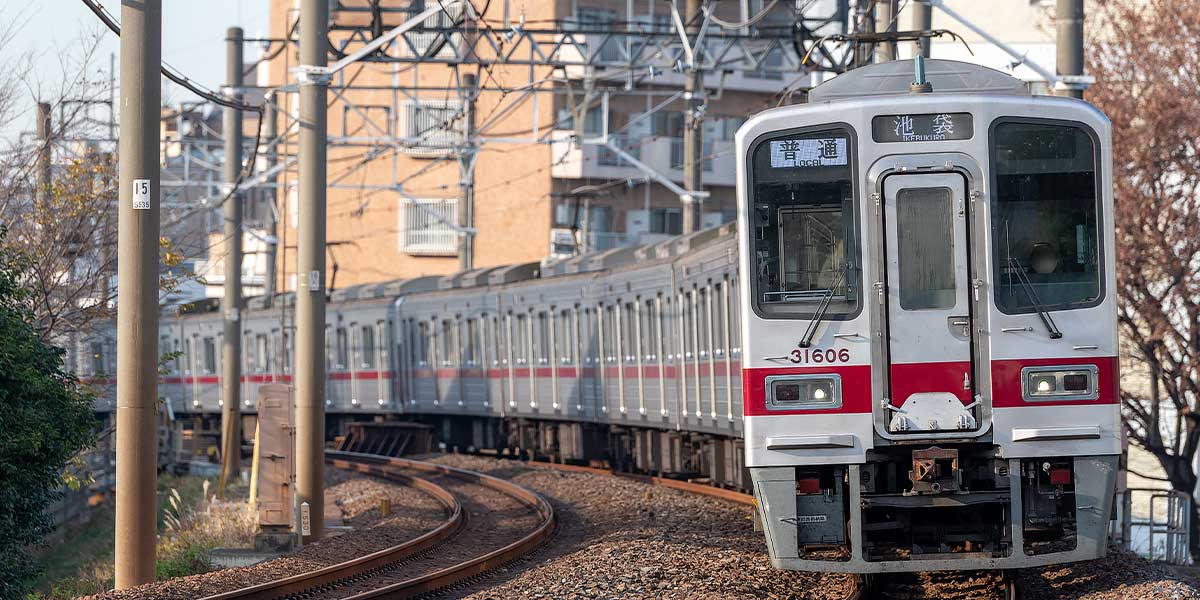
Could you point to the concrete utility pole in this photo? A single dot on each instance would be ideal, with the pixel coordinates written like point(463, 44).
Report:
point(693, 125)
point(922, 20)
point(42, 194)
point(310, 259)
point(466, 185)
point(1068, 19)
point(273, 230)
point(137, 293)
point(864, 22)
point(231, 302)
point(885, 22)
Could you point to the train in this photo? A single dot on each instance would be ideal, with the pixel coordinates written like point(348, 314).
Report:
point(905, 346)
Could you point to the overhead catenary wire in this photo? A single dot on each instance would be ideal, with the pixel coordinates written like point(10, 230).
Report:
point(170, 72)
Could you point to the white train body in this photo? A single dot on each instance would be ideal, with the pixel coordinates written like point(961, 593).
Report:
point(949, 256)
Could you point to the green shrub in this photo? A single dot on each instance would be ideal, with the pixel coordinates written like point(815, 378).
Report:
point(45, 420)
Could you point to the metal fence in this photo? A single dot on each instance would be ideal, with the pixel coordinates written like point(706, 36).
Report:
point(1159, 531)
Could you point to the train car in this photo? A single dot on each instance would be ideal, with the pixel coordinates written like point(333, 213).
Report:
point(930, 368)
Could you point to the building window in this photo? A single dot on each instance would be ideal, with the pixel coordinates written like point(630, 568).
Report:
point(432, 126)
point(666, 220)
point(97, 358)
point(426, 227)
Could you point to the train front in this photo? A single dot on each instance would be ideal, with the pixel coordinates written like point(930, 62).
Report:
point(929, 316)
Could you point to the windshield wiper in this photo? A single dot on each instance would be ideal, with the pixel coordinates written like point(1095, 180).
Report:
point(823, 307)
point(1022, 277)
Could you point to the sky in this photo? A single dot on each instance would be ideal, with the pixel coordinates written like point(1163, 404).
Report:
point(193, 41)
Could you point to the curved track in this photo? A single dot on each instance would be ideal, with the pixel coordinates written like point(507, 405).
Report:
point(468, 544)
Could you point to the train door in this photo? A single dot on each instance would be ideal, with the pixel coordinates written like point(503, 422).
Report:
point(930, 371)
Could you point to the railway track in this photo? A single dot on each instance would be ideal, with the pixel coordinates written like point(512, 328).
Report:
point(485, 516)
point(941, 585)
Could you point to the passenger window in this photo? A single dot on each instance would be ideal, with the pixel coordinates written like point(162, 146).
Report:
point(287, 352)
point(521, 340)
point(367, 339)
point(804, 248)
point(341, 359)
point(926, 250)
point(607, 329)
point(1045, 223)
point(566, 330)
point(542, 341)
point(719, 305)
point(446, 343)
point(472, 350)
point(628, 333)
point(210, 356)
point(649, 331)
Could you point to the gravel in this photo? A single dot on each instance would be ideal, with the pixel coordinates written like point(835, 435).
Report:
point(624, 539)
point(619, 538)
point(413, 513)
point(1120, 575)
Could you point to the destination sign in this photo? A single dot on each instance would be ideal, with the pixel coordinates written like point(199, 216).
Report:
point(922, 128)
point(820, 152)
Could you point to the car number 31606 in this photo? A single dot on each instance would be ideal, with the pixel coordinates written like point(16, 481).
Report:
point(817, 355)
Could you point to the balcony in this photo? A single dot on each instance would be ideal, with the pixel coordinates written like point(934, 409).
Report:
point(662, 154)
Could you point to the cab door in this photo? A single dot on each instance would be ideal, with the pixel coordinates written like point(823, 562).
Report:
point(930, 374)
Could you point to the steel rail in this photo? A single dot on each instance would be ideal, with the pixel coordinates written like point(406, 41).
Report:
point(463, 571)
point(364, 564)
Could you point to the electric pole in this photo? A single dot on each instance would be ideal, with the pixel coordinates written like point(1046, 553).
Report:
point(885, 22)
point(231, 301)
point(310, 259)
point(273, 229)
point(137, 293)
point(693, 124)
point(864, 22)
point(42, 194)
point(1068, 21)
point(466, 186)
point(922, 20)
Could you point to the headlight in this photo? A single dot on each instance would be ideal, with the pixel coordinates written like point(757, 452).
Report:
point(1075, 382)
point(804, 392)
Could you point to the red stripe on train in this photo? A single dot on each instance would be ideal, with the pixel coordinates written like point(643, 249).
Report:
point(856, 389)
point(913, 378)
point(1006, 380)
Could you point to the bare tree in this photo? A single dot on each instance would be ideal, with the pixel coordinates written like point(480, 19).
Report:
point(1147, 67)
point(66, 225)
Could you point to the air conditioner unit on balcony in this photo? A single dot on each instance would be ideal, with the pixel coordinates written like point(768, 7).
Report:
point(562, 243)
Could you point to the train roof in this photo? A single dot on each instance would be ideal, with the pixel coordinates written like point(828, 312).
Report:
point(499, 275)
point(631, 255)
point(894, 78)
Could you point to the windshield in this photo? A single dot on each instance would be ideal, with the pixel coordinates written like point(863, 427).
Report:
point(802, 219)
point(1045, 219)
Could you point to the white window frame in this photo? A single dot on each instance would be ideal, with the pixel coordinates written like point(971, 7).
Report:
point(421, 233)
point(438, 141)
